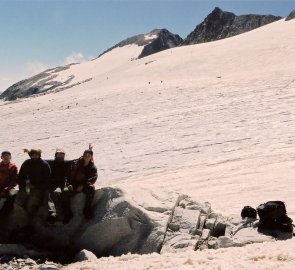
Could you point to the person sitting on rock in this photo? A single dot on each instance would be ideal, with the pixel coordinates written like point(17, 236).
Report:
point(8, 180)
point(33, 181)
point(60, 169)
point(82, 178)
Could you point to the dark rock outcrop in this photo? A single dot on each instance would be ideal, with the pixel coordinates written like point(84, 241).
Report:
point(39, 84)
point(165, 40)
point(153, 42)
point(221, 24)
point(119, 226)
point(42, 82)
point(291, 16)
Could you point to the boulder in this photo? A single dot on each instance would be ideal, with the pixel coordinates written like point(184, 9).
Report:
point(179, 242)
point(219, 226)
point(209, 224)
point(85, 255)
point(184, 231)
point(120, 225)
point(126, 221)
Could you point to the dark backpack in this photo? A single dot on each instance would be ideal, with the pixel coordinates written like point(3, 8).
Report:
point(249, 212)
point(273, 216)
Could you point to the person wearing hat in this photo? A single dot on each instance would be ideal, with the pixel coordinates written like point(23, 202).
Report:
point(60, 173)
point(82, 178)
point(33, 181)
point(60, 170)
point(8, 180)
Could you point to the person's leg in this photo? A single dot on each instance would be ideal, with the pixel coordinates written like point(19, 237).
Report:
point(8, 204)
point(89, 190)
point(34, 201)
point(21, 198)
point(66, 205)
point(51, 218)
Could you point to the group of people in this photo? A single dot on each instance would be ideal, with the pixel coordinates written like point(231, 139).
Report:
point(37, 180)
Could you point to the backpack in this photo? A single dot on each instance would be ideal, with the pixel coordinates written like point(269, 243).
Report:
point(249, 212)
point(273, 216)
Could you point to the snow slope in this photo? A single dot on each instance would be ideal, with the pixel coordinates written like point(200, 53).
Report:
point(256, 256)
point(215, 121)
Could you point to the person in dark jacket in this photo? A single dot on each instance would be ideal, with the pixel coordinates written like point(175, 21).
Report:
point(33, 181)
point(82, 178)
point(60, 171)
point(8, 180)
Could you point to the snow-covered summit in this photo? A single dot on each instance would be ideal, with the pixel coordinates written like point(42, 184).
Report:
point(61, 78)
point(217, 25)
point(152, 42)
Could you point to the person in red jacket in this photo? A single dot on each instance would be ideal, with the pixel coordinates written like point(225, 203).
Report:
point(8, 180)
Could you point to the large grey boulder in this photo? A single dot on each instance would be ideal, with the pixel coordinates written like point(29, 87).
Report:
point(185, 228)
point(127, 221)
point(121, 224)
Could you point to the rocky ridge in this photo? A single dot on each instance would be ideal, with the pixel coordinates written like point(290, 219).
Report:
point(165, 40)
point(291, 16)
point(47, 81)
point(39, 84)
point(155, 41)
point(221, 24)
point(217, 25)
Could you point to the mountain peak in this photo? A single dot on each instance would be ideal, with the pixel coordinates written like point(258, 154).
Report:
point(219, 14)
point(221, 24)
point(291, 16)
point(165, 40)
point(217, 10)
point(154, 41)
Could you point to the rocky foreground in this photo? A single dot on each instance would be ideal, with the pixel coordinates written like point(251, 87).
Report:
point(12, 263)
point(122, 223)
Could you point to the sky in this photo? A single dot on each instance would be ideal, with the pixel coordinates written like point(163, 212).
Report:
point(36, 35)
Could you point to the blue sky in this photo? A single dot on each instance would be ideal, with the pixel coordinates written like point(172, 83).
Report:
point(37, 34)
